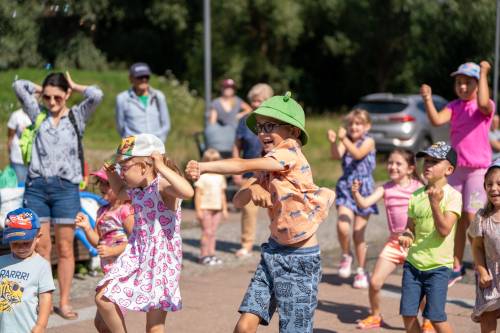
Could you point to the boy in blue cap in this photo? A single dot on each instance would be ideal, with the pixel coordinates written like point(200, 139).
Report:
point(25, 277)
point(433, 212)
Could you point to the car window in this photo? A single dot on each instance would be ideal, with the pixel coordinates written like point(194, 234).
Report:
point(382, 106)
point(437, 103)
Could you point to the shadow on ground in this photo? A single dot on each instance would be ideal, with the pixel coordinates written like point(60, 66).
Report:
point(222, 246)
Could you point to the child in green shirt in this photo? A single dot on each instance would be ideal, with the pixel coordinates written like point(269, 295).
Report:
point(432, 215)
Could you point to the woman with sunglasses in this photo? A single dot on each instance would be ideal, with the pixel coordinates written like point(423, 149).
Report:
point(55, 169)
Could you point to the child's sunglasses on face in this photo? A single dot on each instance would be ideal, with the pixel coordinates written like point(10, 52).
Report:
point(267, 127)
point(48, 98)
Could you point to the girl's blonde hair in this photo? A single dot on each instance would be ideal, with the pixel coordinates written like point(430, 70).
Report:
point(488, 208)
point(211, 155)
point(360, 114)
point(262, 90)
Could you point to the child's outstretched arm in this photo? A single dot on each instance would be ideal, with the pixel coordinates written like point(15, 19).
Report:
point(232, 166)
point(365, 202)
point(479, 259)
point(117, 184)
point(357, 153)
point(44, 306)
point(82, 221)
point(177, 186)
point(443, 221)
point(483, 94)
point(252, 191)
point(337, 148)
point(436, 118)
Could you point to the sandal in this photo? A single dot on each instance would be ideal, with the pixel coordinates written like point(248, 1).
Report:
point(66, 312)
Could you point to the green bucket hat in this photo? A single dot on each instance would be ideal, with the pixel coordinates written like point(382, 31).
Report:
point(284, 109)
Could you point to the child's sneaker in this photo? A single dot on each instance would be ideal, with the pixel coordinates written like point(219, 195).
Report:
point(370, 322)
point(427, 327)
point(360, 280)
point(215, 261)
point(456, 275)
point(243, 253)
point(345, 266)
point(207, 261)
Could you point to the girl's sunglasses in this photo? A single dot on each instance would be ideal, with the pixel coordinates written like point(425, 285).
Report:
point(267, 127)
point(48, 98)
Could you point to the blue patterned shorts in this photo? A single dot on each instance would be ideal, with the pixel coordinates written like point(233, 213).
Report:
point(286, 279)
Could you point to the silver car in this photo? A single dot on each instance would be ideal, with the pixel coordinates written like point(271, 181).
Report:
point(400, 121)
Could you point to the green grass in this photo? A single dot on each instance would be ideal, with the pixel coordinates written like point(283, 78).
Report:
point(186, 114)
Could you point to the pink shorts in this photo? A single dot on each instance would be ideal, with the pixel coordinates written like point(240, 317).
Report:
point(469, 182)
point(394, 252)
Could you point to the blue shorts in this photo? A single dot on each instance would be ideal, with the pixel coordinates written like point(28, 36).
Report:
point(52, 199)
point(433, 284)
point(287, 278)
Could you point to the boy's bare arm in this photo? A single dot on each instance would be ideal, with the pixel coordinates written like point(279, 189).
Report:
point(252, 191)
point(44, 305)
point(443, 222)
point(232, 166)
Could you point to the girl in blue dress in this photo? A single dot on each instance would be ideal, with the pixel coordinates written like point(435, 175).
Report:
point(357, 151)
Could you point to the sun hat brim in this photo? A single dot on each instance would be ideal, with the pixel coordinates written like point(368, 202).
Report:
point(278, 115)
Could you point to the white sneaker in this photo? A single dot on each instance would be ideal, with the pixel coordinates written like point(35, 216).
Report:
point(360, 281)
point(243, 253)
point(345, 266)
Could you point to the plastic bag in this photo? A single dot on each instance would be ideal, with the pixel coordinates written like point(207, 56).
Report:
point(8, 178)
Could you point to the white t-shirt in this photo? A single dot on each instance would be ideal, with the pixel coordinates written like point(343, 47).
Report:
point(211, 186)
point(18, 121)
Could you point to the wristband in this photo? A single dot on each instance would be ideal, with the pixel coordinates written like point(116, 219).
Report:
point(409, 234)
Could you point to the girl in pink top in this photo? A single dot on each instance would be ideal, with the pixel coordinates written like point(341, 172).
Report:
point(470, 118)
point(396, 193)
point(114, 224)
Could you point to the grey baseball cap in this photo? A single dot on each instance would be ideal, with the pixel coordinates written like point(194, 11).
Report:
point(139, 69)
point(441, 151)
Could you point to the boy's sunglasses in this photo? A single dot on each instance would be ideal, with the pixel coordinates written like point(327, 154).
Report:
point(48, 98)
point(267, 127)
point(142, 78)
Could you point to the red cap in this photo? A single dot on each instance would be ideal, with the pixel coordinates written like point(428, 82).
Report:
point(100, 174)
point(228, 83)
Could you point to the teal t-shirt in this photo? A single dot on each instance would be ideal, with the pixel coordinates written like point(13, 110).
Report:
point(21, 281)
point(144, 100)
point(429, 249)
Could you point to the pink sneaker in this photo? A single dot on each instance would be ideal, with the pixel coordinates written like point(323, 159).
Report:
point(360, 281)
point(345, 266)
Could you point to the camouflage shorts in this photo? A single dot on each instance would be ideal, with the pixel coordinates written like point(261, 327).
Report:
point(286, 279)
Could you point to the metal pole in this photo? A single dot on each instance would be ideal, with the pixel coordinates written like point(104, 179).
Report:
point(207, 55)
point(497, 54)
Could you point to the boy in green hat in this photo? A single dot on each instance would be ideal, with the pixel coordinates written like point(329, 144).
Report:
point(290, 269)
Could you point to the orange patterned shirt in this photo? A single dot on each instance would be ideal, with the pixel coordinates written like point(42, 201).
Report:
point(299, 206)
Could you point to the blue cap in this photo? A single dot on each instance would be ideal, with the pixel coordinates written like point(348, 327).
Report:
point(139, 69)
point(441, 151)
point(468, 69)
point(495, 164)
point(21, 224)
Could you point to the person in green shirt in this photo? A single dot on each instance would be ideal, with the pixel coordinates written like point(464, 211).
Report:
point(433, 212)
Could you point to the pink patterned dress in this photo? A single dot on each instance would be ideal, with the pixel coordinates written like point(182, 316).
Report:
point(146, 275)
